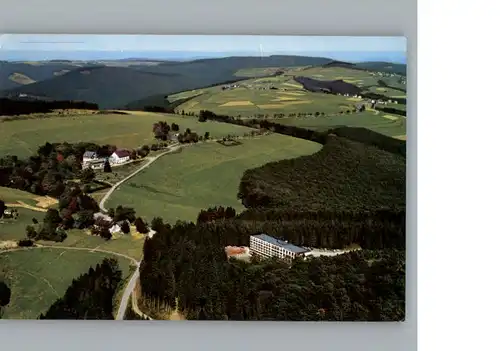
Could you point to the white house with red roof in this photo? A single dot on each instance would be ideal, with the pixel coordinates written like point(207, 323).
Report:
point(120, 156)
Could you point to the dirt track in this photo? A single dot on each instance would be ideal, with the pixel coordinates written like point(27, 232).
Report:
point(25, 205)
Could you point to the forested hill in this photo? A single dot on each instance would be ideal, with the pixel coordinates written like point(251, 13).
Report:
point(31, 72)
point(344, 176)
point(115, 87)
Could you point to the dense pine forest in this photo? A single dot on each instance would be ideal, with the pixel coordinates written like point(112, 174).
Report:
point(90, 296)
point(186, 264)
point(343, 175)
point(12, 107)
point(5, 295)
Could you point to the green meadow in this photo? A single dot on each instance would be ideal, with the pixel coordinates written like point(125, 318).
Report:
point(178, 186)
point(38, 277)
point(22, 137)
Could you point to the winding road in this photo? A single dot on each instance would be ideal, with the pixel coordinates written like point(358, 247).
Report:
point(170, 149)
point(129, 290)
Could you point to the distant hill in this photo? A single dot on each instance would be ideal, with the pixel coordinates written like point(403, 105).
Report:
point(32, 72)
point(107, 86)
point(386, 67)
point(115, 87)
point(336, 63)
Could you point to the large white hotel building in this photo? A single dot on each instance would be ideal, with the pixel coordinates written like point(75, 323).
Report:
point(267, 246)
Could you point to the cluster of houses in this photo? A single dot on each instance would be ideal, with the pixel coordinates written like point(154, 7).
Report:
point(104, 219)
point(383, 102)
point(385, 74)
point(263, 87)
point(94, 161)
point(229, 86)
point(9, 213)
point(350, 95)
point(115, 227)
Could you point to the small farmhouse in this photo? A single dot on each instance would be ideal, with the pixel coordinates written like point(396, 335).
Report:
point(95, 164)
point(117, 227)
point(89, 156)
point(92, 160)
point(173, 136)
point(120, 156)
point(98, 216)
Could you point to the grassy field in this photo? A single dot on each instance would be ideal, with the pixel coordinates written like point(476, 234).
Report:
point(391, 93)
point(256, 72)
point(15, 229)
point(383, 123)
point(37, 277)
point(120, 172)
point(23, 137)
point(9, 195)
point(356, 77)
point(124, 244)
point(254, 97)
point(178, 186)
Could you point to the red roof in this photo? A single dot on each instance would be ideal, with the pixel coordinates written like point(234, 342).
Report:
point(122, 153)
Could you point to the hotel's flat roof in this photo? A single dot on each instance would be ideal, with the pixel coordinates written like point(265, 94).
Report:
point(281, 243)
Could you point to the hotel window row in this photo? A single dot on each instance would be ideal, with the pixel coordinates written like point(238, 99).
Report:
point(267, 246)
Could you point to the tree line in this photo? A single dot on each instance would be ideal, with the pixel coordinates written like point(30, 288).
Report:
point(203, 118)
point(361, 135)
point(392, 110)
point(163, 131)
point(373, 230)
point(216, 213)
point(11, 107)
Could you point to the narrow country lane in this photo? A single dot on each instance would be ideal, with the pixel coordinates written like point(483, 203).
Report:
point(170, 149)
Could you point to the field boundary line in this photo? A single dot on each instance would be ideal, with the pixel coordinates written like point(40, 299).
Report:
point(45, 280)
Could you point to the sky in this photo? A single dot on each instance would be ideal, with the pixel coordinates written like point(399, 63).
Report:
point(14, 44)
